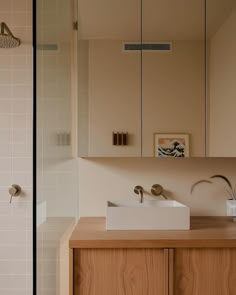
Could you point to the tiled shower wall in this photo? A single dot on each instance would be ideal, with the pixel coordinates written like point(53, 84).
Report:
point(16, 151)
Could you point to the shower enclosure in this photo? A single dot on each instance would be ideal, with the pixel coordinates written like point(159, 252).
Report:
point(56, 173)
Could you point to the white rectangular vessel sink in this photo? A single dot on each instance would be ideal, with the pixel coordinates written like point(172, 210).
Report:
point(149, 215)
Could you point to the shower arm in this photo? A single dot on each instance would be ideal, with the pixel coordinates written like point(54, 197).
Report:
point(5, 27)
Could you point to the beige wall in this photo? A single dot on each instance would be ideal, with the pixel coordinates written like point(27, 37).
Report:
point(113, 179)
point(223, 90)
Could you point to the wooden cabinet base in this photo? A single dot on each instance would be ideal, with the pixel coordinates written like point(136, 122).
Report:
point(197, 262)
point(205, 272)
point(120, 272)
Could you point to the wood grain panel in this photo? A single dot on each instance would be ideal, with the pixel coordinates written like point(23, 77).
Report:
point(71, 266)
point(205, 272)
point(171, 271)
point(120, 272)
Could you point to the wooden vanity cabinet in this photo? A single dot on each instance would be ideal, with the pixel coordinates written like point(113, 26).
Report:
point(201, 261)
point(204, 271)
point(120, 272)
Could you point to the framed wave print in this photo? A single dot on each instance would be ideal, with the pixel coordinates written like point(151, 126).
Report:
point(171, 145)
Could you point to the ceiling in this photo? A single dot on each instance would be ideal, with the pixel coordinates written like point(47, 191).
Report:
point(162, 19)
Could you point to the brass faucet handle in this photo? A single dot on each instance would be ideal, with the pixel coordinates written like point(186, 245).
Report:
point(138, 189)
point(14, 191)
point(157, 190)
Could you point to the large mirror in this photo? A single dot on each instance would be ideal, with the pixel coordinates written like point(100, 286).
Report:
point(173, 85)
point(109, 77)
point(158, 73)
point(221, 37)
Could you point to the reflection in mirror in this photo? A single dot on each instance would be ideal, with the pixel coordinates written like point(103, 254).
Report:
point(221, 37)
point(109, 78)
point(173, 96)
point(110, 86)
point(56, 207)
point(173, 87)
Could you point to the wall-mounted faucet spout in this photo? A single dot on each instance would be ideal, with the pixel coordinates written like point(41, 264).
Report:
point(139, 191)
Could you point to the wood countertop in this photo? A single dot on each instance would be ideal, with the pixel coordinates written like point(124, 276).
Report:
point(205, 232)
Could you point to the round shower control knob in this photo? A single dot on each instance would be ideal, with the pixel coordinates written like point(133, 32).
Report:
point(14, 191)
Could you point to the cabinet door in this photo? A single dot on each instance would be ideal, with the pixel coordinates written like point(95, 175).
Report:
point(204, 272)
point(120, 272)
point(109, 78)
point(173, 78)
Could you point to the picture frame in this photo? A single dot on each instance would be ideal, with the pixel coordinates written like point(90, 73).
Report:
point(171, 145)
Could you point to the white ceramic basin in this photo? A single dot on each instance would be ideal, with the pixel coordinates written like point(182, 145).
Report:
point(150, 215)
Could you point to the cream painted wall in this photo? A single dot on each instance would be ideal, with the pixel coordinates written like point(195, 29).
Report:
point(113, 179)
point(223, 90)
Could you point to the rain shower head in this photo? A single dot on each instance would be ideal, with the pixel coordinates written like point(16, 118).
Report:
point(7, 39)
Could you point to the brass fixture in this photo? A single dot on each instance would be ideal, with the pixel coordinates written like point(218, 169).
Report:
point(139, 191)
point(7, 39)
point(14, 191)
point(157, 190)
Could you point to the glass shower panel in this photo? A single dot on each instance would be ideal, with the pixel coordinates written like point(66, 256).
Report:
point(56, 167)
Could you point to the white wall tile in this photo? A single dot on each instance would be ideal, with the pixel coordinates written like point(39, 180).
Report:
point(5, 106)
point(19, 121)
point(5, 281)
point(5, 209)
point(19, 135)
point(22, 164)
point(5, 178)
point(20, 76)
point(19, 5)
point(21, 150)
point(19, 63)
point(5, 6)
point(5, 92)
point(15, 150)
point(11, 252)
point(8, 267)
point(5, 166)
point(20, 92)
point(5, 62)
point(24, 178)
point(5, 121)
point(19, 18)
point(14, 291)
point(5, 16)
point(19, 106)
point(5, 76)
point(5, 150)
point(5, 135)
point(12, 222)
